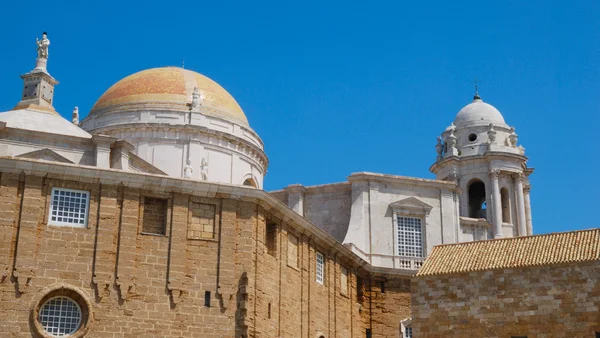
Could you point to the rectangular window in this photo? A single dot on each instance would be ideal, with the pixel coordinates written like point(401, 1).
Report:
point(69, 208)
point(271, 238)
point(292, 251)
point(343, 280)
point(320, 268)
point(410, 237)
point(408, 332)
point(155, 216)
point(207, 298)
point(368, 333)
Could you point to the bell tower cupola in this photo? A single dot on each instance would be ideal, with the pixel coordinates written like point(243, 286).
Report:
point(480, 152)
point(38, 84)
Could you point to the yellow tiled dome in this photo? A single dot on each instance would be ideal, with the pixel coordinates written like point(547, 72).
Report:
point(169, 88)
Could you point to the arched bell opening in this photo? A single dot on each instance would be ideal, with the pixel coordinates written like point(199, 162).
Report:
point(505, 205)
point(477, 202)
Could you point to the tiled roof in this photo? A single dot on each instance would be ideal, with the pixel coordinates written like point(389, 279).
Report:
point(556, 248)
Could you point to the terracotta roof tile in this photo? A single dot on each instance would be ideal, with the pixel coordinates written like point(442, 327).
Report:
point(556, 248)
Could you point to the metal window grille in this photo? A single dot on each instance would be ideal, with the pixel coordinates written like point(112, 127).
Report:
point(60, 316)
point(69, 207)
point(320, 268)
point(410, 237)
point(408, 332)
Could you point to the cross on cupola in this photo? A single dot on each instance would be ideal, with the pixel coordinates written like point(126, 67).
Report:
point(38, 84)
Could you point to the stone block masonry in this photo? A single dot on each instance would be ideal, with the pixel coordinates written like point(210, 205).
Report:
point(540, 301)
point(164, 263)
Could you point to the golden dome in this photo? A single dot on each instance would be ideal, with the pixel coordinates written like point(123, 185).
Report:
point(170, 88)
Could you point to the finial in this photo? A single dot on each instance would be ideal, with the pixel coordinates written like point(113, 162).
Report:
point(75, 117)
point(476, 97)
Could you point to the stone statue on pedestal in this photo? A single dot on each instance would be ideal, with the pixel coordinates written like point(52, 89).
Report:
point(491, 134)
point(196, 96)
point(75, 118)
point(188, 170)
point(204, 169)
point(42, 46)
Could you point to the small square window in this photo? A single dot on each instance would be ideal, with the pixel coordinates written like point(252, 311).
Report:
point(69, 208)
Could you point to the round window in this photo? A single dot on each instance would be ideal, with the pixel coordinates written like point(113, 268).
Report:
point(60, 316)
point(472, 137)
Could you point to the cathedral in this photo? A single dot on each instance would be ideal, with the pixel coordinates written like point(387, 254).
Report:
point(148, 218)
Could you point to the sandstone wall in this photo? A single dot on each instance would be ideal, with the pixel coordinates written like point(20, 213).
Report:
point(545, 301)
point(210, 275)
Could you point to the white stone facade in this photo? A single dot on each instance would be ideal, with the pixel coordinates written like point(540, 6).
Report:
point(366, 212)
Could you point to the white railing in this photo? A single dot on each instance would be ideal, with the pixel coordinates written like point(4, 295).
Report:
point(410, 263)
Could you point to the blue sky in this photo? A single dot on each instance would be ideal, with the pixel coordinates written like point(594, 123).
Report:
point(335, 87)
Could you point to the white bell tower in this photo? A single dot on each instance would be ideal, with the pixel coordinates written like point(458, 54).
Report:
point(479, 151)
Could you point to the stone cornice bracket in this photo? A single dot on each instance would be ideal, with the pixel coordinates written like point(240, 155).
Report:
point(103, 140)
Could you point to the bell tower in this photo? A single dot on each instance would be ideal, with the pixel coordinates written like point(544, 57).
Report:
point(480, 152)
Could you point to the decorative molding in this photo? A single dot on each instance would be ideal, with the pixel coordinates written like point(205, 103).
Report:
point(45, 155)
point(411, 206)
point(177, 134)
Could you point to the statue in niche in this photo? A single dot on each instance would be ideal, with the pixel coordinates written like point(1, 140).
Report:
point(204, 169)
point(42, 46)
point(188, 170)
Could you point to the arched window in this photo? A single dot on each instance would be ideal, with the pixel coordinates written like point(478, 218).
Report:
point(477, 203)
point(505, 205)
point(250, 182)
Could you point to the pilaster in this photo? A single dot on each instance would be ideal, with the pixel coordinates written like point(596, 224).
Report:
point(103, 144)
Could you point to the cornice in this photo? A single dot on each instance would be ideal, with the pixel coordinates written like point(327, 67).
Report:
point(487, 156)
point(401, 180)
point(191, 132)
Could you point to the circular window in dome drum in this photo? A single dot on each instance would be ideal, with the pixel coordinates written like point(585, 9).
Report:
point(60, 316)
point(472, 137)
